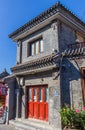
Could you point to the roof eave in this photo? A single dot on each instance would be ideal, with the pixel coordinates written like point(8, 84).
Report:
point(39, 70)
point(58, 16)
point(35, 28)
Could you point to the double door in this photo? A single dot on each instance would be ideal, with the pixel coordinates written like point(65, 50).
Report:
point(38, 102)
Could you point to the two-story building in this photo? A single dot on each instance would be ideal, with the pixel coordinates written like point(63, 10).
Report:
point(50, 67)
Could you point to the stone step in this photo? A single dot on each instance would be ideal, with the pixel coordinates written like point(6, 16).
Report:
point(30, 125)
point(21, 126)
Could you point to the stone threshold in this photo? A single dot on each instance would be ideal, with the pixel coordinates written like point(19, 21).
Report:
point(30, 124)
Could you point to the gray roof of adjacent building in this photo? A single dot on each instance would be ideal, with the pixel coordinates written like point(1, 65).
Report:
point(4, 74)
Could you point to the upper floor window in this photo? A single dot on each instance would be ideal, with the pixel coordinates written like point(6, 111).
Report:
point(35, 47)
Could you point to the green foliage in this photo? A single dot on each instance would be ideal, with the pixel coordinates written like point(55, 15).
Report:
point(73, 118)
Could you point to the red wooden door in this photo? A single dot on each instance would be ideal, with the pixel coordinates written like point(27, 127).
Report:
point(38, 102)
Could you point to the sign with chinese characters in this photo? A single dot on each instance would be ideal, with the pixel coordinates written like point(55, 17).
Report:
point(56, 93)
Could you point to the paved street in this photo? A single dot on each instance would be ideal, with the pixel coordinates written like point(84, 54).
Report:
point(6, 127)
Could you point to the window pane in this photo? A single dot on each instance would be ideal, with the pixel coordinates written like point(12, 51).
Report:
point(46, 94)
point(37, 47)
point(35, 93)
point(41, 46)
point(30, 94)
point(32, 49)
point(40, 95)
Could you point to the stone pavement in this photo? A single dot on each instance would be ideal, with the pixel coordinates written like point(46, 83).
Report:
point(6, 127)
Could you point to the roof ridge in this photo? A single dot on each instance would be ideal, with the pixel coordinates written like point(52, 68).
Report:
point(45, 12)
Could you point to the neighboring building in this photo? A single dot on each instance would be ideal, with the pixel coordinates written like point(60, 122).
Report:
point(3, 74)
point(3, 95)
point(50, 67)
point(10, 82)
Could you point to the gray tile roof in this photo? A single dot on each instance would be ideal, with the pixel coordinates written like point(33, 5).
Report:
point(43, 16)
point(4, 74)
point(43, 62)
point(74, 50)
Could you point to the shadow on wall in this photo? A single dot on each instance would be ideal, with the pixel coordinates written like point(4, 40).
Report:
point(69, 73)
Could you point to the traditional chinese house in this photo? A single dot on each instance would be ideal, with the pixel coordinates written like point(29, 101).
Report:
point(3, 75)
point(3, 95)
point(50, 68)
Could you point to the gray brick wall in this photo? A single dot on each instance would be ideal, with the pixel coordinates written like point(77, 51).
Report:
point(71, 89)
point(18, 53)
point(50, 39)
point(70, 77)
point(66, 36)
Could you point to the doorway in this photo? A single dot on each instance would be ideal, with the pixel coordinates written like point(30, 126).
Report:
point(37, 102)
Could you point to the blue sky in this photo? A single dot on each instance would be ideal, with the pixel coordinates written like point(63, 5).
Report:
point(15, 13)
